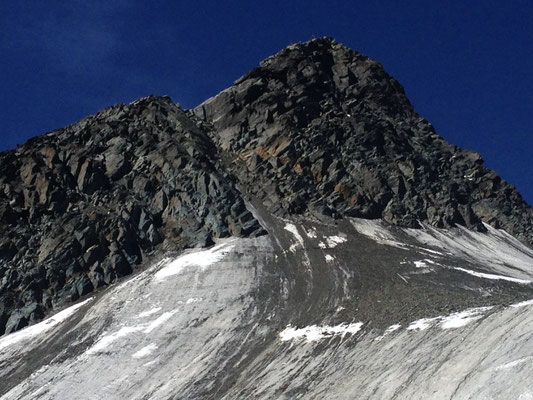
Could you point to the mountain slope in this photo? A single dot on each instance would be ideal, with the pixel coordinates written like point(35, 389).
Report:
point(343, 249)
point(312, 310)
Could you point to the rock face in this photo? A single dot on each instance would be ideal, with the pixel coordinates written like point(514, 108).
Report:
point(83, 206)
point(322, 128)
point(317, 129)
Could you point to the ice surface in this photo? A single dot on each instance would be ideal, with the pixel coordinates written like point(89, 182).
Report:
point(222, 322)
point(495, 249)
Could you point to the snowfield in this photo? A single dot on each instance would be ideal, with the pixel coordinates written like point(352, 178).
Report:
point(244, 320)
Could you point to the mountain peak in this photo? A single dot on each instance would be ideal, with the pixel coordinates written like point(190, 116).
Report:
point(333, 227)
point(309, 48)
point(317, 130)
point(318, 126)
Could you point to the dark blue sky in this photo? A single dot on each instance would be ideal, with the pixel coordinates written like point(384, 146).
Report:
point(466, 66)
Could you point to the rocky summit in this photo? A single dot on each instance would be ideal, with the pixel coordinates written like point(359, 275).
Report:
point(284, 236)
point(323, 129)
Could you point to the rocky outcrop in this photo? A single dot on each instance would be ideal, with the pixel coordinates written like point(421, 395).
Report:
point(83, 206)
point(324, 129)
point(315, 129)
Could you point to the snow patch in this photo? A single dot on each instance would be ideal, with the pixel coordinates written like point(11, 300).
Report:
point(462, 318)
point(201, 259)
point(452, 321)
point(438, 253)
point(373, 229)
point(393, 328)
point(149, 312)
point(422, 324)
point(160, 321)
point(329, 258)
point(107, 340)
point(333, 241)
point(145, 351)
point(424, 263)
point(311, 233)
point(315, 333)
point(493, 276)
point(523, 304)
point(194, 300)
point(41, 327)
point(292, 229)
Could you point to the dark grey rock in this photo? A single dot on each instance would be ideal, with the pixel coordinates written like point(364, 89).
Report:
point(16, 322)
point(344, 136)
